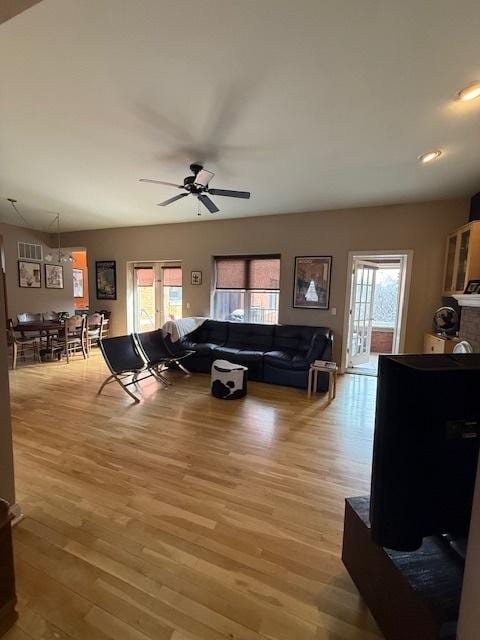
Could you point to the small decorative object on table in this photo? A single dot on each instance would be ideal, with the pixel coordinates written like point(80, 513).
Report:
point(229, 381)
point(326, 367)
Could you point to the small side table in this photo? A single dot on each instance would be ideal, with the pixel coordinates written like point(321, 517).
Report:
point(332, 380)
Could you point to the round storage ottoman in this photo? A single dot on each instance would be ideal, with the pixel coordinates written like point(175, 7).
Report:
point(229, 381)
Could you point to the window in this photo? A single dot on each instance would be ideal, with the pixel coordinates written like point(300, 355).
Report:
point(247, 289)
point(385, 302)
point(172, 293)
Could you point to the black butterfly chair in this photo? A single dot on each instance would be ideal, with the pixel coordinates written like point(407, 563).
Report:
point(177, 352)
point(159, 352)
point(125, 361)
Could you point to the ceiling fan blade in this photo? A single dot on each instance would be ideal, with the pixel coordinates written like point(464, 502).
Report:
point(169, 184)
point(170, 200)
point(231, 194)
point(205, 200)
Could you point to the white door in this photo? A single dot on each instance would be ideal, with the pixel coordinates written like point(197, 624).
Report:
point(361, 312)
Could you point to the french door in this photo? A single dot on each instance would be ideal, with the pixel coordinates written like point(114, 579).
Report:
point(361, 312)
point(157, 295)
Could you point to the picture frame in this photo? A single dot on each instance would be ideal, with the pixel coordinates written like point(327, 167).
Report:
point(53, 276)
point(473, 287)
point(311, 282)
point(196, 277)
point(29, 274)
point(78, 286)
point(106, 279)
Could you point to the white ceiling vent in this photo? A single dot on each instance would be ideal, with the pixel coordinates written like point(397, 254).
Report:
point(28, 251)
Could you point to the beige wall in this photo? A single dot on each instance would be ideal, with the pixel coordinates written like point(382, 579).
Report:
point(421, 227)
point(7, 487)
point(35, 300)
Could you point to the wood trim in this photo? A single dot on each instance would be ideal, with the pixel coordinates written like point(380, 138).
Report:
point(11, 8)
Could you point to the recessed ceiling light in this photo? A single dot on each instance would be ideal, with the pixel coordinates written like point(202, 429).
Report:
point(470, 93)
point(429, 156)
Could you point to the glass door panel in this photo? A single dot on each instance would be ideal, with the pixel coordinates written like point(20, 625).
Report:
point(144, 299)
point(462, 261)
point(171, 293)
point(361, 313)
point(451, 252)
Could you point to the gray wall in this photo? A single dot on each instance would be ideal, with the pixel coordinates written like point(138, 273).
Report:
point(422, 227)
point(36, 300)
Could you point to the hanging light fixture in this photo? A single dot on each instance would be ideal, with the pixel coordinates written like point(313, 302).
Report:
point(61, 256)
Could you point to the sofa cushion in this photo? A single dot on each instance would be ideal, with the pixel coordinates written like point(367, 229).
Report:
point(210, 331)
point(224, 353)
point(258, 337)
point(293, 337)
point(200, 348)
point(287, 359)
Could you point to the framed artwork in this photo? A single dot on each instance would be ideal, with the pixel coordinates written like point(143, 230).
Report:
point(312, 282)
point(473, 286)
point(196, 277)
point(53, 276)
point(29, 275)
point(106, 279)
point(77, 283)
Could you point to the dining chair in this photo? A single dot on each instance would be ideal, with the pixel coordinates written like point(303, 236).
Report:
point(73, 337)
point(105, 327)
point(21, 344)
point(94, 330)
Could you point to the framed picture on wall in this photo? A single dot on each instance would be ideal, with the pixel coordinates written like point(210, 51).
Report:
point(196, 277)
point(77, 283)
point(312, 282)
point(53, 276)
point(29, 275)
point(106, 279)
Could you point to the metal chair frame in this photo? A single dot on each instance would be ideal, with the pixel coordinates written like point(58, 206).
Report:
point(120, 375)
point(165, 361)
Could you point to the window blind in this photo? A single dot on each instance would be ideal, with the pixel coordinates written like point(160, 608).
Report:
point(249, 272)
point(172, 276)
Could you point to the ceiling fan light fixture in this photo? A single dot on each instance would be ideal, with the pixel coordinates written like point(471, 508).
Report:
point(202, 178)
point(429, 156)
point(470, 93)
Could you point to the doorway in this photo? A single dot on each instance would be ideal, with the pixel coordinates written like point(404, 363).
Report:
point(377, 297)
point(157, 295)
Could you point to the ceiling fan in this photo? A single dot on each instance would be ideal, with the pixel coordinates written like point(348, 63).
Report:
point(197, 185)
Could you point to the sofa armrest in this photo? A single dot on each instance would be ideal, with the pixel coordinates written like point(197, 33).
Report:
point(321, 348)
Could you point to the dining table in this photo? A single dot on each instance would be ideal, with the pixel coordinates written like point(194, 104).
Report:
point(45, 328)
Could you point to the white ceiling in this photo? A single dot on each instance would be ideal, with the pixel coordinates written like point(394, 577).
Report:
point(310, 104)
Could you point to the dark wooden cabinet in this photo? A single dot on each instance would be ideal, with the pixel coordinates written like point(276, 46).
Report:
point(8, 615)
point(412, 595)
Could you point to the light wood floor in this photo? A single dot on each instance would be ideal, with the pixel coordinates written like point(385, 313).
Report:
point(185, 517)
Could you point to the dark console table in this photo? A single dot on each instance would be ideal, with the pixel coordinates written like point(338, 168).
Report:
point(8, 615)
point(412, 596)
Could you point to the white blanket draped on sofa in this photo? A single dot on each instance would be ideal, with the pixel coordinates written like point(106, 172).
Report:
point(179, 328)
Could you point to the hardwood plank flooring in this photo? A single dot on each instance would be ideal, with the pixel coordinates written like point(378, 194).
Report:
point(185, 517)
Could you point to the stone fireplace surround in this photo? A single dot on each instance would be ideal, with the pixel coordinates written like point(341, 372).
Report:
point(470, 319)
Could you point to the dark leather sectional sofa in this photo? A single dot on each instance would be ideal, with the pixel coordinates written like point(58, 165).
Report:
point(279, 354)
